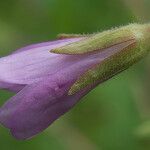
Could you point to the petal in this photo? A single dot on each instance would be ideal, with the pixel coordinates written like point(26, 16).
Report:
point(11, 87)
point(35, 107)
point(43, 44)
point(28, 64)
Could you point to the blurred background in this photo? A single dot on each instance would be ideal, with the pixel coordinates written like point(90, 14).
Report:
point(115, 115)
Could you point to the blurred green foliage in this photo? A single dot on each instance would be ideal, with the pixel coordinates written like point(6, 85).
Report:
point(108, 118)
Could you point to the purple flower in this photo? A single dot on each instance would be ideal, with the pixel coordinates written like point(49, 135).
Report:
point(42, 80)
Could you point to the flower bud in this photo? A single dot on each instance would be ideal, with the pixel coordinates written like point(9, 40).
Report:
point(136, 41)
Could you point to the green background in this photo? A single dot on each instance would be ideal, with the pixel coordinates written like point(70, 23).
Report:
point(116, 114)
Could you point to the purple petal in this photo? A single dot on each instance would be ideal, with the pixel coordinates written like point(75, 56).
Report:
point(44, 44)
point(28, 64)
point(11, 87)
point(35, 107)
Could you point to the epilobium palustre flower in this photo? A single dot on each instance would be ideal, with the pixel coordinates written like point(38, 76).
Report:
point(50, 78)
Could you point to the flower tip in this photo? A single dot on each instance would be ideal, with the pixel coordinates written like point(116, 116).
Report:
point(56, 51)
point(70, 93)
point(53, 51)
point(74, 89)
point(19, 135)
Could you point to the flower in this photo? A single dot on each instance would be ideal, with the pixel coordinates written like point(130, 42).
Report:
point(50, 78)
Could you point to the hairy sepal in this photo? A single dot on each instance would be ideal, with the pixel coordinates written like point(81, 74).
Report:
point(111, 66)
point(101, 41)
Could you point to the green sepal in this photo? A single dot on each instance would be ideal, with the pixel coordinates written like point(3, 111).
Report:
point(109, 67)
point(99, 41)
point(135, 49)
